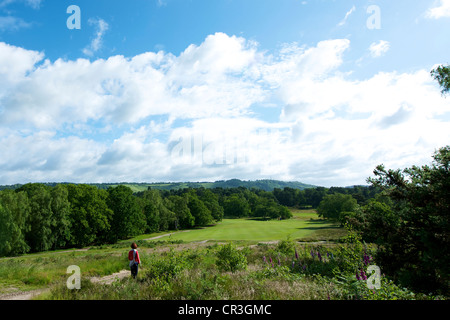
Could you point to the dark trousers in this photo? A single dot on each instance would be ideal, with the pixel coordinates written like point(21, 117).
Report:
point(134, 270)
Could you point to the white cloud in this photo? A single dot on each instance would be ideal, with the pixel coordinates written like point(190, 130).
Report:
point(331, 130)
point(35, 4)
point(380, 48)
point(347, 15)
point(101, 27)
point(440, 11)
point(13, 23)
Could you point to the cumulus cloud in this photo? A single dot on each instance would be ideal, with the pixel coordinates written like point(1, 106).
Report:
point(440, 11)
point(97, 121)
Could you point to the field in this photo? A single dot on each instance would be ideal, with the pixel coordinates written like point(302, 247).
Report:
point(238, 259)
point(305, 225)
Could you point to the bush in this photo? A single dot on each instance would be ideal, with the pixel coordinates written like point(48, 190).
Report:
point(229, 258)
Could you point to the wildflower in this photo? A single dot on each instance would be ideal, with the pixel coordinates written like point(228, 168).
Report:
point(357, 276)
point(296, 254)
point(279, 262)
point(363, 275)
point(312, 254)
point(264, 259)
point(319, 256)
point(293, 264)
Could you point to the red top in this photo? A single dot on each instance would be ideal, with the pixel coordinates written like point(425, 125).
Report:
point(136, 258)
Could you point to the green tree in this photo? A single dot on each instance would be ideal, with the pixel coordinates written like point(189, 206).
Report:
point(442, 75)
point(14, 211)
point(336, 206)
point(60, 206)
point(151, 204)
point(41, 219)
point(236, 206)
point(90, 217)
point(179, 205)
point(418, 252)
point(211, 201)
point(199, 210)
point(128, 220)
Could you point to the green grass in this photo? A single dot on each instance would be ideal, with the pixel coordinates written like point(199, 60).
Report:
point(304, 225)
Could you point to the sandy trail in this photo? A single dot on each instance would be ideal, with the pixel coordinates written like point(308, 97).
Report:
point(29, 295)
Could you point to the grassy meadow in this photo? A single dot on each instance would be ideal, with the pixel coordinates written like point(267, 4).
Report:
point(305, 225)
point(239, 259)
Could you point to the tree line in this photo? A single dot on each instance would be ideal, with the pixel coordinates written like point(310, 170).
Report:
point(39, 217)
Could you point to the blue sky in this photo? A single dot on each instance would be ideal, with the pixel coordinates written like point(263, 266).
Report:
point(319, 91)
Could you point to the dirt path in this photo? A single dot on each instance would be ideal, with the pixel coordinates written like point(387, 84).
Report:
point(166, 235)
point(29, 295)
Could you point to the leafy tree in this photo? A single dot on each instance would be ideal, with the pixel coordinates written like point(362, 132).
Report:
point(335, 206)
point(153, 207)
point(199, 210)
point(40, 220)
point(442, 75)
point(376, 221)
point(415, 247)
point(128, 220)
point(90, 216)
point(236, 206)
point(14, 211)
point(60, 206)
point(211, 201)
point(179, 205)
point(314, 196)
point(287, 197)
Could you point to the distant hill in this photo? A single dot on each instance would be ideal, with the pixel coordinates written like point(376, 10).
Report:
point(267, 185)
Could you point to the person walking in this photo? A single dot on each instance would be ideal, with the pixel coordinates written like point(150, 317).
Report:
point(135, 261)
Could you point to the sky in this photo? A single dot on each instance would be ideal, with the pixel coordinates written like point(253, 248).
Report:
point(317, 91)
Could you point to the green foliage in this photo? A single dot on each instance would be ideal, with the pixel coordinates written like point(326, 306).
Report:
point(236, 206)
point(337, 206)
point(90, 216)
point(170, 265)
point(229, 258)
point(14, 211)
point(128, 220)
point(412, 228)
point(442, 75)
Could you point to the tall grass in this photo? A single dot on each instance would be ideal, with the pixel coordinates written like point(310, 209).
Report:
point(272, 272)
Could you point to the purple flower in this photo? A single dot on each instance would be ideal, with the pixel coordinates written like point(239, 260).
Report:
point(363, 275)
point(318, 255)
point(357, 276)
point(296, 254)
point(264, 259)
point(312, 254)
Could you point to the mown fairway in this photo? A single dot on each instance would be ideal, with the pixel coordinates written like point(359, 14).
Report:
point(304, 224)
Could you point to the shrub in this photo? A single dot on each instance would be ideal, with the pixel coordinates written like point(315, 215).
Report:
point(229, 258)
